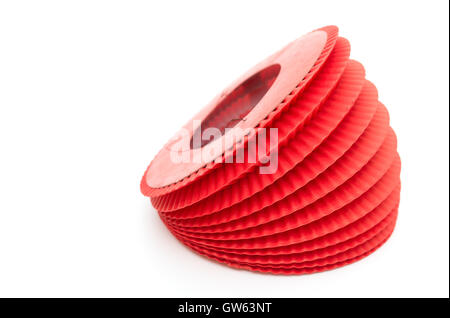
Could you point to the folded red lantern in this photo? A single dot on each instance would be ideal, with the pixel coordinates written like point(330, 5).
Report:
point(322, 193)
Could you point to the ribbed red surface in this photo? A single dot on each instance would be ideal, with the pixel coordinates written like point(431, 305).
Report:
point(333, 198)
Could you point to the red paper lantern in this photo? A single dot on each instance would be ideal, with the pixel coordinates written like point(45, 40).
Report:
point(292, 169)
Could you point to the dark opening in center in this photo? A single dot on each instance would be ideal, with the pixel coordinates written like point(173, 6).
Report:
point(236, 105)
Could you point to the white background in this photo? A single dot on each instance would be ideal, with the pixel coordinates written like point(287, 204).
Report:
point(90, 90)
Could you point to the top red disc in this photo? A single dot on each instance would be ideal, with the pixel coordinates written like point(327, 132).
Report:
point(243, 105)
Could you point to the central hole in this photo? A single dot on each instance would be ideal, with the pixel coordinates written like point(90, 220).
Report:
point(236, 105)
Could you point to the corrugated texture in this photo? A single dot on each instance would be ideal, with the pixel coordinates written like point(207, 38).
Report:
point(347, 204)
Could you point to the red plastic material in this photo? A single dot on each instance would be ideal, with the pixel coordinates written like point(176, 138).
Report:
point(334, 196)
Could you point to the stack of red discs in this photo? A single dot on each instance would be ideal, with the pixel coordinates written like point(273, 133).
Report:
point(292, 169)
